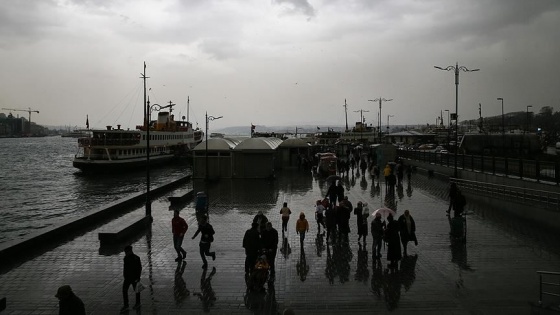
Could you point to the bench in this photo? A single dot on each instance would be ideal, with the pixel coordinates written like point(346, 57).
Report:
point(109, 238)
point(182, 198)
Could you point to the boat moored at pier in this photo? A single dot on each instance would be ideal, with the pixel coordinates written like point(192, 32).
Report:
point(117, 149)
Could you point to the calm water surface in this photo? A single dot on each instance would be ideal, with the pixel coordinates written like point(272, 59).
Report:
point(39, 186)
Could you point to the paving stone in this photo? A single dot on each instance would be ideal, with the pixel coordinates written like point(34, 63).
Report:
point(495, 271)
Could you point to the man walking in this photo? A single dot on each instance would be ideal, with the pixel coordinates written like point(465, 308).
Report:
point(207, 237)
point(285, 212)
point(252, 244)
point(270, 244)
point(179, 227)
point(131, 271)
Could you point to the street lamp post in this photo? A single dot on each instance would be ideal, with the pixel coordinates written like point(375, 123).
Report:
point(388, 116)
point(527, 119)
point(380, 100)
point(456, 69)
point(208, 119)
point(503, 119)
point(156, 107)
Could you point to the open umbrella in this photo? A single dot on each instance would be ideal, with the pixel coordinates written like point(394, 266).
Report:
point(333, 178)
point(384, 212)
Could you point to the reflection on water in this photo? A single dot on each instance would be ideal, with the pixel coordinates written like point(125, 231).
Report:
point(262, 302)
point(362, 268)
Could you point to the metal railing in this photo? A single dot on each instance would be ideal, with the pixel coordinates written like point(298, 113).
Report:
point(545, 171)
point(554, 287)
point(534, 197)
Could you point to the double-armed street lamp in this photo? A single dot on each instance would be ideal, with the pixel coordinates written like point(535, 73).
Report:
point(456, 69)
point(208, 119)
point(380, 100)
point(153, 107)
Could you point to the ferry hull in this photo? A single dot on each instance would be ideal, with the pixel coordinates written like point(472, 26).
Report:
point(112, 166)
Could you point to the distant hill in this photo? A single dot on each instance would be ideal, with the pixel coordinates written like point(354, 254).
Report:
point(246, 130)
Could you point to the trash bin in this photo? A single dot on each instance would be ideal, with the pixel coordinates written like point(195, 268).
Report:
point(201, 202)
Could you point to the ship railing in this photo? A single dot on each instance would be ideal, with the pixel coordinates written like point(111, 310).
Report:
point(107, 142)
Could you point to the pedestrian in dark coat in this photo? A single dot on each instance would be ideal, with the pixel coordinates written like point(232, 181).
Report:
point(361, 221)
point(452, 195)
point(252, 245)
point(207, 237)
point(330, 218)
point(377, 232)
point(179, 227)
point(131, 272)
point(340, 191)
point(407, 229)
point(270, 245)
point(393, 242)
point(459, 204)
point(261, 220)
point(68, 302)
point(331, 193)
point(363, 166)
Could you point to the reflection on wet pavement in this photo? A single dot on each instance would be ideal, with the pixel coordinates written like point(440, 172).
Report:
point(325, 276)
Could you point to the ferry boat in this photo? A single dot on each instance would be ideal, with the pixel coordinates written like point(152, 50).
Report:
point(360, 133)
point(117, 149)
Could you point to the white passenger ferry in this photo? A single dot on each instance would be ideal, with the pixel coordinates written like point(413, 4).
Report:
point(117, 149)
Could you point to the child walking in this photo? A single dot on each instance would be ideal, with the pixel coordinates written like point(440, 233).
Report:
point(302, 226)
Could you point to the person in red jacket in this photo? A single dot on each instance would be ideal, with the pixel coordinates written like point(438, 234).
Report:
point(179, 227)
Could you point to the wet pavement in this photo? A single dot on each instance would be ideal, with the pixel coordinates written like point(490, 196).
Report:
point(494, 272)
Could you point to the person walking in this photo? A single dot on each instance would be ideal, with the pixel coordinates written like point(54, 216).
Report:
point(319, 215)
point(362, 214)
point(407, 228)
point(131, 271)
point(377, 231)
point(459, 204)
point(252, 244)
point(285, 212)
point(179, 228)
point(302, 226)
point(339, 191)
point(270, 245)
point(261, 220)
point(386, 172)
point(363, 166)
point(332, 194)
point(393, 242)
point(452, 195)
point(207, 237)
point(330, 217)
point(68, 302)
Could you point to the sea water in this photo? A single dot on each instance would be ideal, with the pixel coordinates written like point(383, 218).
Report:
point(39, 186)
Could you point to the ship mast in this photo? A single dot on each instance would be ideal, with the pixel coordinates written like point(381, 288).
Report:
point(144, 77)
point(346, 113)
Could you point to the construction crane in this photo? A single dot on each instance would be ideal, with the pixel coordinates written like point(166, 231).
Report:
point(29, 110)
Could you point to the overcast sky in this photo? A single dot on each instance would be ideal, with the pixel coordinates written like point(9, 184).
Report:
point(277, 62)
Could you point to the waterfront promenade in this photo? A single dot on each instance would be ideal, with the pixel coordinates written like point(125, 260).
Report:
point(495, 272)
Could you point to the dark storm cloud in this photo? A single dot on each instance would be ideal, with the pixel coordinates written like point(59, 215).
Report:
point(297, 6)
